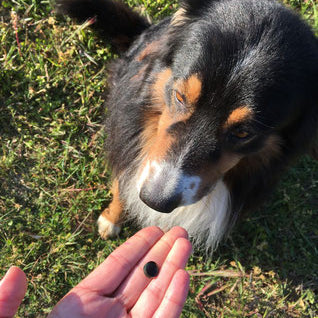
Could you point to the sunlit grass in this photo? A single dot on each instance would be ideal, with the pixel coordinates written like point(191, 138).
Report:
point(54, 181)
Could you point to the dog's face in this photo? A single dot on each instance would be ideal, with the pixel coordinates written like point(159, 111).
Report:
point(225, 93)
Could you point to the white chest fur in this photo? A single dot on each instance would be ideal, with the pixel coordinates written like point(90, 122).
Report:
point(206, 220)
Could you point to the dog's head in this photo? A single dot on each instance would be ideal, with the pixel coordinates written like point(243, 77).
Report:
point(237, 80)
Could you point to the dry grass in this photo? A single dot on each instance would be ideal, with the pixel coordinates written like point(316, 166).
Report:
point(53, 181)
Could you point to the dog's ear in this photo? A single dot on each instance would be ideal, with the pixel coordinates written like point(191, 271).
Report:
point(194, 6)
point(190, 9)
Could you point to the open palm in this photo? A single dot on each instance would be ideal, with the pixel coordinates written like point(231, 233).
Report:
point(119, 288)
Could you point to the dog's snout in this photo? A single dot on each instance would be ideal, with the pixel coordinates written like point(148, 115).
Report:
point(160, 187)
point(154, 198)
point(164, 187)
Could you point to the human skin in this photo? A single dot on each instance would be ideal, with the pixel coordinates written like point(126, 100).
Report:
point(118, 287)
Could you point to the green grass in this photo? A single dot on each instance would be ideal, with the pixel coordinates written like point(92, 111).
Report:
point(53, 181)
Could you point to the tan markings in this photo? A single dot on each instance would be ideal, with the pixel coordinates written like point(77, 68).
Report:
point(263, 158)
point(163, 139)
point(212, 172)
point(251, 164)
point(179, 18)
point(193, 86)
point(156, 119)
point(190, 88)
point(270, 150)
point(139, 74)
point(156, 141)
point(238, 115)
point(114, 211)
point(149, 49)
point(234, 163)
point(159, 87)
point(227, 162)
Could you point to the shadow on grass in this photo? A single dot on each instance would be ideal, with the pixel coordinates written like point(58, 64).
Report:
point(278, 244)
point(283, 235)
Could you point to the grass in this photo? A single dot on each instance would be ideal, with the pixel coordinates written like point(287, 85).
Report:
point(53, 181)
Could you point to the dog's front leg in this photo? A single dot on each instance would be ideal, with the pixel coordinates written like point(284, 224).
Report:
point(109, 220)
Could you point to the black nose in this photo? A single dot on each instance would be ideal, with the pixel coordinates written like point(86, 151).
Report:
point(155, 199)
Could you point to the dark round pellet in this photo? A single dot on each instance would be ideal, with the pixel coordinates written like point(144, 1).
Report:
point(151, 269)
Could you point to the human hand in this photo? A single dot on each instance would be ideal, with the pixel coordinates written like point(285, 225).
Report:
point(119, 288)
point(12, 290)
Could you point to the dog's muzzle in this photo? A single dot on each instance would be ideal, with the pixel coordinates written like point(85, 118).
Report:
point(164, 187)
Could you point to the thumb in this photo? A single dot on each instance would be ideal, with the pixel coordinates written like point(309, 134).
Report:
point(13, 287)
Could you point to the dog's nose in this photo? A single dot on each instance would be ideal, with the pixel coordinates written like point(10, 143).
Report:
point(156, 199)
point(164, 187)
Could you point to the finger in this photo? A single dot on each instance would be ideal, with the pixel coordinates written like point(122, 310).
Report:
point(80, 303)
point(13, 287)
point(175, 297)
point(152, 296)
point(107, 277)
point(136, 282)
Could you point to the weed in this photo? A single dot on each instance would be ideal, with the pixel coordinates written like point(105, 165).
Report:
point(54, 181)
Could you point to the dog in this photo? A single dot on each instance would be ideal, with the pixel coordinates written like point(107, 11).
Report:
point(206, 110)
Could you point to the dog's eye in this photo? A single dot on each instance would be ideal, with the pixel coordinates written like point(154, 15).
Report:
point(241, 134)
point(179, 98)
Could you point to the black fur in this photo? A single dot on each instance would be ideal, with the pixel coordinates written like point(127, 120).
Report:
point(248, 52)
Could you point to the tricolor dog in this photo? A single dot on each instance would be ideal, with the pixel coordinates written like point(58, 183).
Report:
point(206, 109)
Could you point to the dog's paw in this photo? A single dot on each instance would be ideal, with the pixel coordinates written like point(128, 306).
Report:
point(106, 228)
